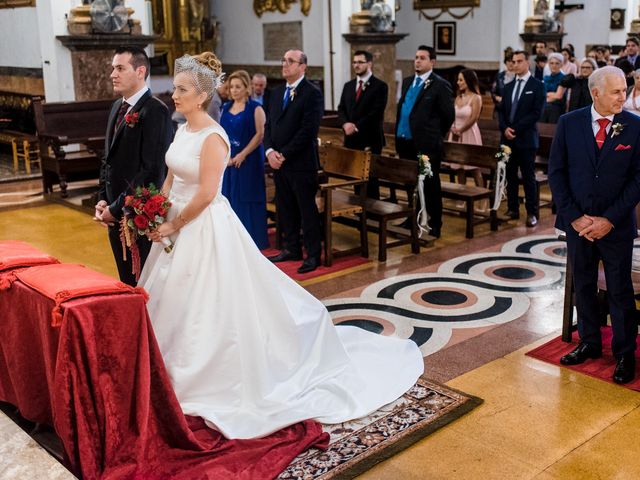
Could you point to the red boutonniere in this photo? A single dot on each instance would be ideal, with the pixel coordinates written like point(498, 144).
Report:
point(132, 119)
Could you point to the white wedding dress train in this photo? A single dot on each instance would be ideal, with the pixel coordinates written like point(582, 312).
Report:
point(247, 348)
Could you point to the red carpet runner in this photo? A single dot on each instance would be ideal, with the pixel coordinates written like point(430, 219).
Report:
point(601, 368)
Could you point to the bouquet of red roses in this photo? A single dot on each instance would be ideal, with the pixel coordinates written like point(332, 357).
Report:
point(143, 212)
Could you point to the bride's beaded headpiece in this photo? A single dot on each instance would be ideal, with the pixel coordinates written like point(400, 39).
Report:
point(204, 77)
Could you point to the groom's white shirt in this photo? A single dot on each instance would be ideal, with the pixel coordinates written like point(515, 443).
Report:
point(133, 99)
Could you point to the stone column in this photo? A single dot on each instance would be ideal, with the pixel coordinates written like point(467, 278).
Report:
point(383, 48)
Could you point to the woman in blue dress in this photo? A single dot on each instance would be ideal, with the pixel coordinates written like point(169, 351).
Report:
point(243, 119)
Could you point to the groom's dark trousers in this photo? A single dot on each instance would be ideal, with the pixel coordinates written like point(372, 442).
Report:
point(134, 156)
point(603, 183)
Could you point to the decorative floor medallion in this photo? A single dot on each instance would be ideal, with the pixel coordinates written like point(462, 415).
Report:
point(477, 290)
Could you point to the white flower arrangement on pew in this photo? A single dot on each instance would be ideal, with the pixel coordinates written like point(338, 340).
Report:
point(503, 155)
point(424, 171)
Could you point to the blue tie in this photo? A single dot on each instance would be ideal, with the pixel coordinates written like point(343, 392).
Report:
point(417, 83)
point(514, 103)
point(285, 100)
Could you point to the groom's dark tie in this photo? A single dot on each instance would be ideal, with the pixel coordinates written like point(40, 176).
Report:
point(121, 113)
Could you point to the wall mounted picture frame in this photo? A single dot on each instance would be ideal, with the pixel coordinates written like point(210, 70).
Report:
point(444, 38)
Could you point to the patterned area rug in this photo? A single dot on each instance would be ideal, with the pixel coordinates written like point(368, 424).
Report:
point(358, 445)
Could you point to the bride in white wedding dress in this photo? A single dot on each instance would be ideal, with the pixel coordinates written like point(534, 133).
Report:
point(247, 348)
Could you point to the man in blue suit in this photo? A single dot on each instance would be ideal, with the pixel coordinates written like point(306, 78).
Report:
point(521, 107)
point(594, 173)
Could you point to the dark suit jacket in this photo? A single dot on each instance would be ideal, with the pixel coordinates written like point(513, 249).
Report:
point(266, 99)
point(134, 155)
point(367, 113)
point(635, 66)
point(528, 111)
point(294, 131)
point(432, 114)
point(603, 183)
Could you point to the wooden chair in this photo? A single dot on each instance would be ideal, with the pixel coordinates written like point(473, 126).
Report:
point(343, 169)
point(25, 148)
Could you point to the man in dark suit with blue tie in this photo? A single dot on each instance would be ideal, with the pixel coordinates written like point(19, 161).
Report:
point(291, 145)
point(594, 174)
point(521, 107)
point(139, 133)
point(424, 116)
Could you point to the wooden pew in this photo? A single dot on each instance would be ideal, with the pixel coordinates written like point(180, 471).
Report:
point(71, 137)
point(342, 170)
point(477, 156)
point(400, 174)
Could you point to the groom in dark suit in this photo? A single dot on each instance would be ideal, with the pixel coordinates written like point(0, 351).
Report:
point(594, 174)
point(138, 135)
point(425, 114)
point(291, 145)
point(361, 111)
point(521, 107)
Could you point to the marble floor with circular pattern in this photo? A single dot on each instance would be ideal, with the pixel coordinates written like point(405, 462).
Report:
point(471, 293)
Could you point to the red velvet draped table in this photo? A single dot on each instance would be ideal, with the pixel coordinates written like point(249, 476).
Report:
point(99, 380)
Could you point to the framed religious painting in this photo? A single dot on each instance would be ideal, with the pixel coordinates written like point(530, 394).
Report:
point(444, 38)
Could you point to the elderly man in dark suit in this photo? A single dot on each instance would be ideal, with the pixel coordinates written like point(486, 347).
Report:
point(138, 135)
point(522, 104)
point(290, 140)
point(361, 111)
point(425, 114)
point(594, 174)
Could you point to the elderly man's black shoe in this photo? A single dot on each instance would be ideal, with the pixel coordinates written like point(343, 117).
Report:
point(513, 215)
point(625, 369)
point(309, 265)
point(284, 256)
point(581, 353)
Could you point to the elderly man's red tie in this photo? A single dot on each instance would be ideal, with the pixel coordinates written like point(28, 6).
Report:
point(602, 133)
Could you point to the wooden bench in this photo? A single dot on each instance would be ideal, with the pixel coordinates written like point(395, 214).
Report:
point(477, 156)
point(400, 174)
point(342, 170)
point(71, 137)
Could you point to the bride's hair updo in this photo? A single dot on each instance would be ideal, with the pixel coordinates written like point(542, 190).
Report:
point(205, 70)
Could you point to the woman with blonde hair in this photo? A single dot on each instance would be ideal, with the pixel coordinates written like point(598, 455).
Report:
point(248, 349)
point(243, 184)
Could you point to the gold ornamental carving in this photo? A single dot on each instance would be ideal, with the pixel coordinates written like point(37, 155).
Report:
point(17, 3)
point(282, 6)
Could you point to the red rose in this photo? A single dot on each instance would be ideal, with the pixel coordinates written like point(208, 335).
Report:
point(128, 199)
point(137, 203)
point(145, 192)
point(158, 198)
point(162, 211)
point(141, 222)
point(151, 208)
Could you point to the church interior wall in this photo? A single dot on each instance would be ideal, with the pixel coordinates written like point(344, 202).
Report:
point(477, 36)
point(241, 35)
point(20, 57)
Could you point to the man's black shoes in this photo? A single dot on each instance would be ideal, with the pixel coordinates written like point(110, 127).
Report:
point(309, 265)
point(284, 256)
point(581, 353)
point(625, 369)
